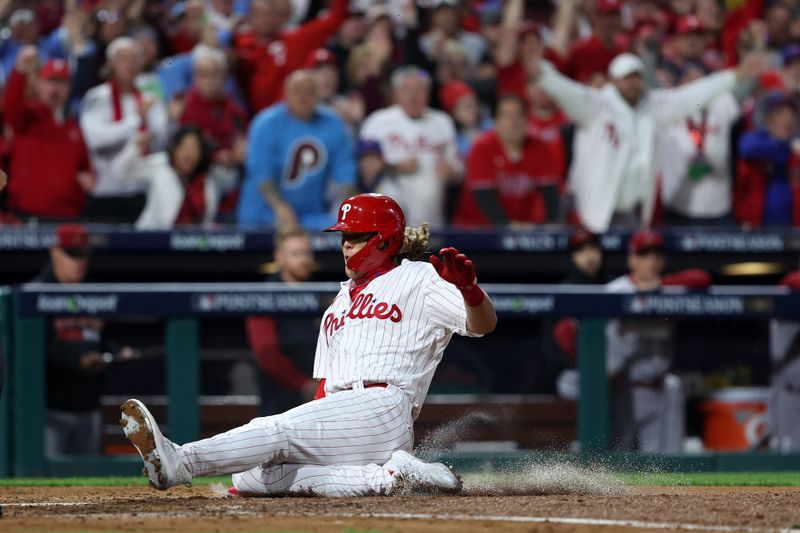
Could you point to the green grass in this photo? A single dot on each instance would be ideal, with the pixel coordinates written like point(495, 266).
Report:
point(752, 479)
point(763, 479)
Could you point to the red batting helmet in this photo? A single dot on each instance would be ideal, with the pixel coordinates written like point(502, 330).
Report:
point(372, 213)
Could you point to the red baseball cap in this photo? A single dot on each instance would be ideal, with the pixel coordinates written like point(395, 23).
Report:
point(73, 239)
point(608, 6)
point(771, 80)
point(453, 91)
point(55, 69)
point(581, 238)
point(320, 56)
point(644, 241)
point(689, 24)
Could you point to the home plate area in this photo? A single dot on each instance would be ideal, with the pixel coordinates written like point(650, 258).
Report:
point(564, 509)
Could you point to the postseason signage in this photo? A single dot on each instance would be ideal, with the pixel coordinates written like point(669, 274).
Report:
point(233, 240)
point(524, 302)
point(164, 300)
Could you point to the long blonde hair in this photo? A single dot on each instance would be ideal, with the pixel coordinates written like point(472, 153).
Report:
point(415, 242)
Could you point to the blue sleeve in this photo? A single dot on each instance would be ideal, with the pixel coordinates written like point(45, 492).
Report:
point(758, 146)
point(241, 7)
point(52, 47)
point(343, 165)
point(175, 75)
point(8, 55)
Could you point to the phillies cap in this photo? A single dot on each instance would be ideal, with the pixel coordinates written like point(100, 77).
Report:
point(624, 65)
point(452, 92)
point(319, 57)
point(608, 6)
point(581, 238)
point(778, 99)
point(367, 146)
point(644, 241)
point(689, 24)
point(791, 53)
point(771, 81)
point(73, 239)
point(55, 69)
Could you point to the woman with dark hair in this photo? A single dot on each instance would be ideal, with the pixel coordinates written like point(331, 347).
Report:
point(183, 187)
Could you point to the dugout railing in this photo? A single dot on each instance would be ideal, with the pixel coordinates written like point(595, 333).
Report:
point(26, 308)
point(504, 255)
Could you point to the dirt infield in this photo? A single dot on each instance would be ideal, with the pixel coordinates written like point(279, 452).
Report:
point(199, 509)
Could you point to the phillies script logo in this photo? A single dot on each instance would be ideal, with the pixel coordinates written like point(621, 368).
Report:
point(364, 306)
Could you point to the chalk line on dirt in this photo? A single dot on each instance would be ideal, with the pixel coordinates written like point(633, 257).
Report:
point(640, 524)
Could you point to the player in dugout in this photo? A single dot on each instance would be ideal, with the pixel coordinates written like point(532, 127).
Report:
point(647, 405)
point(783, 408)
point(379, 344)
point(284, 346)
point(3, 182)
point(77, 357)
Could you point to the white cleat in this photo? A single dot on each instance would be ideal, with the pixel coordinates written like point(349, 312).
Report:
point(413, 474)
point(162, 465)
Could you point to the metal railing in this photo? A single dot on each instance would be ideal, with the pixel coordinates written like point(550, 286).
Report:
point(23, 314)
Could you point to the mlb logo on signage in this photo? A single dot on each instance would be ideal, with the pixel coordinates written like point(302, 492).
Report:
point(206, 302)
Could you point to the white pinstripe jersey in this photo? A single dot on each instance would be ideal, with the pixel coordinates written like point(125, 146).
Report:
point(395, 331)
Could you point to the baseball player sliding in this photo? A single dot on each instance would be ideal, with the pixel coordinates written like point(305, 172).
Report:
point(378, 347)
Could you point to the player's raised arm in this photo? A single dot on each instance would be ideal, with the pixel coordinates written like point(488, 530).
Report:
point(455, 268)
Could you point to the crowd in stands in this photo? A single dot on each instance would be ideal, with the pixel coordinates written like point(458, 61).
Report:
point(475, 113)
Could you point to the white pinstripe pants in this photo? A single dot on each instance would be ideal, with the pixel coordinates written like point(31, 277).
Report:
point(332, 446)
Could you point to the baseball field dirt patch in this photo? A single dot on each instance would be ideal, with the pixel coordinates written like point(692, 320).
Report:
point(182, 509)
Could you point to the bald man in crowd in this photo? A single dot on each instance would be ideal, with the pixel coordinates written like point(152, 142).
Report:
point(300, 164)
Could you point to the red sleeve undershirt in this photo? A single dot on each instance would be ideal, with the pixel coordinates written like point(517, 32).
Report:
point(263, 335)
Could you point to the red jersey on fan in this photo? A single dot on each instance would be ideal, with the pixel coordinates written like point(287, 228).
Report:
point(518, 184)
point(512, 78)
point(547, 128)
point(46, 156)
point(263, 67)
point(221, 120)
point(588, 57)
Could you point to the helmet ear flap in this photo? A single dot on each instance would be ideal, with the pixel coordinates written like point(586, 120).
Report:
point(370, 256)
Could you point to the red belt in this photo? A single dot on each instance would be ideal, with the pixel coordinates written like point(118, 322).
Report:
point(370, 385)
point(321, 388)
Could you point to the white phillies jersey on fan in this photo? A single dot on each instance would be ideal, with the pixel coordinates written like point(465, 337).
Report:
point(395, 331)
point(426, 139)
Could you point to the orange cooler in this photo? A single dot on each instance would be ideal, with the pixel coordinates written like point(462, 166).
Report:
point(734, 418)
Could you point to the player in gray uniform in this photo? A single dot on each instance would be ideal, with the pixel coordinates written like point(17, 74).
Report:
point(783, 410)
point(647, 404)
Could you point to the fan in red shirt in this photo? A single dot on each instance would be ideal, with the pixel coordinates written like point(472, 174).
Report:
point(267, 56)
point(49, 161)
point(206, 105)
point(512, 176)
point(589, 58)
point(520, 40)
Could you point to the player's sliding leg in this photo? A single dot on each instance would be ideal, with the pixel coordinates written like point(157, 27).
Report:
point(357, 427)
point(401, 471)
point(345, 480)
point(351, 427)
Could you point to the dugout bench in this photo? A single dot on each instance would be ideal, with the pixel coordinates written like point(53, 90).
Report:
point(22, 411)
